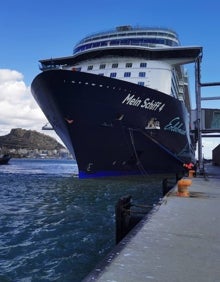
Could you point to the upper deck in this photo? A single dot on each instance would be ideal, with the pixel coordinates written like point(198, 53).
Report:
point(129, 36)
point(126, 41)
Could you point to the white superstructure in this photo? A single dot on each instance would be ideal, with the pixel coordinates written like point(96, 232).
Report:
point(157, 74)
point(150, 57)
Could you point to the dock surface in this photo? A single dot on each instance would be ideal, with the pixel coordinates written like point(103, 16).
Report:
point(179, 242)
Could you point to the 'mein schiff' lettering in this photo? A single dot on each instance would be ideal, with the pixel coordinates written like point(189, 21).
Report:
point(148, 104)
point(132, 101)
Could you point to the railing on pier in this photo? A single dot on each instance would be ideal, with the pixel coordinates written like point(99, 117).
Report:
point(199, 99)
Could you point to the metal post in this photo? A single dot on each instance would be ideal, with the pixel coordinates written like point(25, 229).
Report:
point(198, 114)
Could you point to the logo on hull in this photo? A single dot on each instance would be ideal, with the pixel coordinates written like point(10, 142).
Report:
point(153, 123)
point(175, 125)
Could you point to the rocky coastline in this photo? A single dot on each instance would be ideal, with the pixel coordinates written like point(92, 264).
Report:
point(22, 143)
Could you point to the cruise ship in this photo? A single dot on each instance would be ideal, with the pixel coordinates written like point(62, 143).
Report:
point(121, 102)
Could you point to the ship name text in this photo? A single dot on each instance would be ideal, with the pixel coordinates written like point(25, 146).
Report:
point(175, 126)
point(148, 103)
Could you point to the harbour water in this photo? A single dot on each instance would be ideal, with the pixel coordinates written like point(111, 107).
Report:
point(56, 227)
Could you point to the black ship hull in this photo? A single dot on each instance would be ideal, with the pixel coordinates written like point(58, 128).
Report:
point(113, 127)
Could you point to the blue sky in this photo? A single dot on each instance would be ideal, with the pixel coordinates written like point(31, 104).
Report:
point(39, 29)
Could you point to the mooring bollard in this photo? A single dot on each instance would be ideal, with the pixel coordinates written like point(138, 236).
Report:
point(183, 186)
point(191, 173)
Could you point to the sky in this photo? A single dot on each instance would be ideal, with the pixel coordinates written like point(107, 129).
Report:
point(41, 29)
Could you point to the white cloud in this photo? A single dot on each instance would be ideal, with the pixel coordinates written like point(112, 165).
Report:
point(17, 105)
point(7, 75)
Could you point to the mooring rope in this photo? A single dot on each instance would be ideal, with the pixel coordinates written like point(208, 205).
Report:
point(139, 164)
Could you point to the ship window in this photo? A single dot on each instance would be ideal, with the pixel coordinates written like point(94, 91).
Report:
point(142, 74)
point(127, 74)
point(113, 74)
point(89, 67)
point(114, 66)
point(141, 83)
point(128, 65)
point(102, 66)
point(143, 65)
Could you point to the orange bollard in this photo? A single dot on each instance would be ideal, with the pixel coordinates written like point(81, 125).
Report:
point(191, 173)
point(183, 185)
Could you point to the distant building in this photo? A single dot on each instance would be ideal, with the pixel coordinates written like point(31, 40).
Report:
point(216, 155)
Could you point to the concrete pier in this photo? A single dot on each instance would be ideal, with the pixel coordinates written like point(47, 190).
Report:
point(178, 242)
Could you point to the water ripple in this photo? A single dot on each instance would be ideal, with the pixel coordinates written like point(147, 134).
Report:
point(55, 227)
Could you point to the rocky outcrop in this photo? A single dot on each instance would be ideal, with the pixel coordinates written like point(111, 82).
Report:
point(28, 139)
